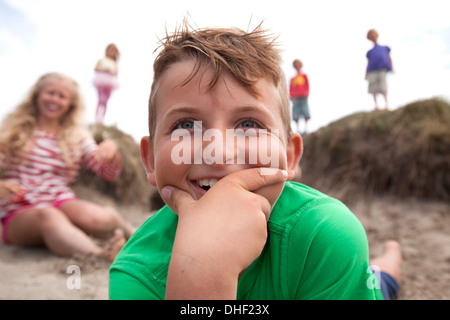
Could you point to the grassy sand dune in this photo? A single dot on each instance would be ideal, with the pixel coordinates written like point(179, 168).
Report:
point(404, 153)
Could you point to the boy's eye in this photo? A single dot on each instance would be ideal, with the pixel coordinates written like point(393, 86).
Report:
point(185, 124)
point(249, 124)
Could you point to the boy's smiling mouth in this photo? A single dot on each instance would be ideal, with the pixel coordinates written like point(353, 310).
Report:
point(202, 185)
point(206, 184)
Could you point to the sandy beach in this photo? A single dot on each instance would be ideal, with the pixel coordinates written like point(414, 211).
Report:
point(422, 228)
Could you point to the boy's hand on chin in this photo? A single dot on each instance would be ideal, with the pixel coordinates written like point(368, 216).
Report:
point(219, 235)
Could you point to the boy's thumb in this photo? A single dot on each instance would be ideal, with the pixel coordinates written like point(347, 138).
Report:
point(176, 198)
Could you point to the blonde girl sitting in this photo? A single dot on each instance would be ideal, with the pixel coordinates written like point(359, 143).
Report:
point(43, 144)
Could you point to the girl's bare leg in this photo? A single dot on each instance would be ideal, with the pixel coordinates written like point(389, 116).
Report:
point(51, 227)
point(99, 221)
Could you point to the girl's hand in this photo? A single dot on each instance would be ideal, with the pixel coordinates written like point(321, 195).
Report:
point(11, 191)
point(108, 152)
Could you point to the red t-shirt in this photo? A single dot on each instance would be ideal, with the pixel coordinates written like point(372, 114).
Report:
point(299, 87)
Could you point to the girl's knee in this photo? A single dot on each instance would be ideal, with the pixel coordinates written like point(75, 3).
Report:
point(113, 215)
point(104, 217)
point(51, 215)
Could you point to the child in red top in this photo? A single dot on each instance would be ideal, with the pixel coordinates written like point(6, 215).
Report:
point(299, 92)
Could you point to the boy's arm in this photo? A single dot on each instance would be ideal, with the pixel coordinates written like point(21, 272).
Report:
point(218, 236)
point(367, 68)
point(390, 62)
point(307, 85)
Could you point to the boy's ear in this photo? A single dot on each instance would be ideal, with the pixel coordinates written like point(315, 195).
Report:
point(294, 152)
point(148, 159)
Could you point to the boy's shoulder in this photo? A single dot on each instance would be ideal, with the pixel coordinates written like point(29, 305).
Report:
point(377, 48)
point(303, 216)
point(301, 207)
point(297, 196)
point(143, 262)
point(162, 224)
point(307, 228)
point(158, 228)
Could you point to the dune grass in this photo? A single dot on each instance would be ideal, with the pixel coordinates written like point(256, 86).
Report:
point(405, 152)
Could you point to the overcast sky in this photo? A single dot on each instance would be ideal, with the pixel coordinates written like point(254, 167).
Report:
point(69, 36)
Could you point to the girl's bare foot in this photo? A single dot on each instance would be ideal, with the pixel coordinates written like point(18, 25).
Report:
point(391, 260)
point(114, 245)
point(128, 231)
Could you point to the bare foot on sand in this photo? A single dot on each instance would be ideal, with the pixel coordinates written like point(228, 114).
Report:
point(114, 245)
point(391, 260)
point(128, 231)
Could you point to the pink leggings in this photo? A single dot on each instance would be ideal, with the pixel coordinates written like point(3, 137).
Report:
point(104, 92)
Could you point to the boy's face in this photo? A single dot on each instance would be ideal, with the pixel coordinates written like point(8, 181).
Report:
point(195, 121)
point(372, 36)
point(298, 65)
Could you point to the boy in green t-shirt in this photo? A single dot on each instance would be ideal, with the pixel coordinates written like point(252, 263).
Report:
point(220, 151)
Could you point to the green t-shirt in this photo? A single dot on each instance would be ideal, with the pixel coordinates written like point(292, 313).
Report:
point(316, 249)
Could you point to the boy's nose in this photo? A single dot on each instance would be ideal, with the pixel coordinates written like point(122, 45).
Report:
point(219, 148)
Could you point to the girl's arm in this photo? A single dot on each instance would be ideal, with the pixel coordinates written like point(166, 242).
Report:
point(104, 160)
point(108, 153)
point(109, 159)
point(97, 66)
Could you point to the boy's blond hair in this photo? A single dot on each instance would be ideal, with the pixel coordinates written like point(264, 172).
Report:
point(248, 56)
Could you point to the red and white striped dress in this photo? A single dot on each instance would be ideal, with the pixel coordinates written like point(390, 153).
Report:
point(45, 175)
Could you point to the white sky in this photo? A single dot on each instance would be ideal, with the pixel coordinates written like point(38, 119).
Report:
point(69, 36)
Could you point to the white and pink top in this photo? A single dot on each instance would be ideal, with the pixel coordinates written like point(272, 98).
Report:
point(46, 176)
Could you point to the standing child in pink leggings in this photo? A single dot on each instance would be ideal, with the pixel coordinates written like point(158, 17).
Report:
point(105, 79)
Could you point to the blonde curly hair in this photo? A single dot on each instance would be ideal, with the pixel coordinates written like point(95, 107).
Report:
point(17, 128)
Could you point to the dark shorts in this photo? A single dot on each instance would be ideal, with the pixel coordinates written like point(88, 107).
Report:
point(300, 109)
point(388, 286)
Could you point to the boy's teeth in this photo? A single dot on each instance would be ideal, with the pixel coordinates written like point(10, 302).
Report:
point(206, 182)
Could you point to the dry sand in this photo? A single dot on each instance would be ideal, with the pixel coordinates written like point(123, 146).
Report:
point(422, 228)
point(36, 273)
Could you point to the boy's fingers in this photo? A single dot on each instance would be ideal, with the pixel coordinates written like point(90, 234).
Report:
point(250, 180)
point(175, 197)
point(255, 178)
point(266, 208)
